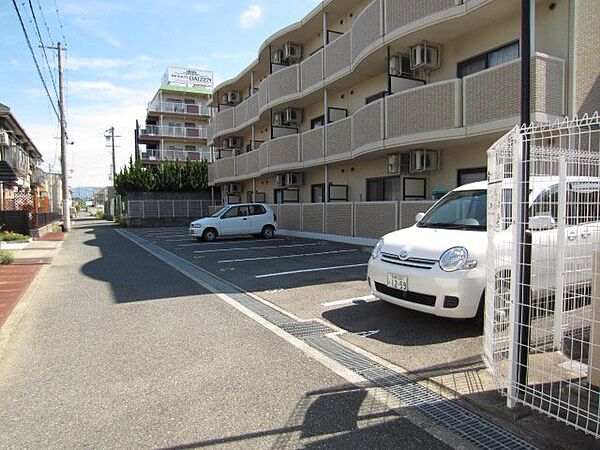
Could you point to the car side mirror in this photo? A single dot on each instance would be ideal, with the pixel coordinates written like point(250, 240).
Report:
point(539, 223)
point(419, 216)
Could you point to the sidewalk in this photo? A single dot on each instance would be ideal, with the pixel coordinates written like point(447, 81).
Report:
point(16, 278)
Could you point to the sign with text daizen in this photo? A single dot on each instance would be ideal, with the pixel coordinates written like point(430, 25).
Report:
point(188, 77)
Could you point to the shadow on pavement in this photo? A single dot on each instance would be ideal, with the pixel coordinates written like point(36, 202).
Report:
point(342, 417)
point(134, 275)
point(400, 326)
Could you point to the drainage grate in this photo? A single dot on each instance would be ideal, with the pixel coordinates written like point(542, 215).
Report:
point(303, 330)
point(475, 429)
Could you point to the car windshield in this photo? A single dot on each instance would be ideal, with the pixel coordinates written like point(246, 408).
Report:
point(459, 210)
point(219, 211)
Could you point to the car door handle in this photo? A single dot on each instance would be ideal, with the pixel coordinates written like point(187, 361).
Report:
point(245, 218)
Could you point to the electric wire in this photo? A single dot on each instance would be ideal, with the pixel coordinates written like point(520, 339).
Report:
point(35, 60)
point(43, 47)
point(45, 23)
point(62, 31)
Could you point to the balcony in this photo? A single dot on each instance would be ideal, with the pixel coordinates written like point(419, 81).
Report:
point(378, 24)
point(492, 97)
point(17, 159)
point(179, 108)
point(174, 132)
point(176, 155)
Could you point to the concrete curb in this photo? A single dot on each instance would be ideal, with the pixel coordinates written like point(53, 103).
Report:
point(330, 237)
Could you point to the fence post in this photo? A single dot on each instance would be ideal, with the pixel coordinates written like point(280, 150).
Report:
point(560, 254)
point(158, 209)
point(594, 352)
point(173, 208)
point(143, 209)
point(187, 204)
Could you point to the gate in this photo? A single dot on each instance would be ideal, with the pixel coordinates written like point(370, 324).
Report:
point(542, 321)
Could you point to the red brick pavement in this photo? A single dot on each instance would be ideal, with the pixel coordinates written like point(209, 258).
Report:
point(54, 236)
point(14, 281)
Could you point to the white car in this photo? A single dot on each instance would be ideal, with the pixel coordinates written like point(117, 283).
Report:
point(247, 218)
point(438, 265)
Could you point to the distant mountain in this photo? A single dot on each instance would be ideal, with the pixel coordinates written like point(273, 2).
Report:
point(84, 193)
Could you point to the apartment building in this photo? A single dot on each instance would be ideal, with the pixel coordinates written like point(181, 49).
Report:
point(20, 164)
point(177, 116)
point(392, 102)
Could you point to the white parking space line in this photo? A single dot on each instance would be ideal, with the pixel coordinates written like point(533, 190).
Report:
point(350, 301)
point(230, 249)
point(300, 255)
point(180, 240)
point(317, 269)
point(196, 244)
point(166, 236)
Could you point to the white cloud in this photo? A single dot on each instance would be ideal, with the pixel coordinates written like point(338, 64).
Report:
point(251, 16)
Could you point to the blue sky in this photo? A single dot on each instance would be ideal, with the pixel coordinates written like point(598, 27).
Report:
point(117, 52)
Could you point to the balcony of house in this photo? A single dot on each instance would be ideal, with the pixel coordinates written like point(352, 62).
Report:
point(14, 162)
point(153, 132)
point(179, 108)
point(379, 23)
point(150, 156)
point(483, 102)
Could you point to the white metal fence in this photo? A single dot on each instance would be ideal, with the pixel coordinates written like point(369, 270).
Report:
point(542, 327)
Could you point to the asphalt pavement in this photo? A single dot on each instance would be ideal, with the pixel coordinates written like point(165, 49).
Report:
point(119, 350)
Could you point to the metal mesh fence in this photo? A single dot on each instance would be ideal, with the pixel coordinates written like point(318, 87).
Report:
point(542, 324)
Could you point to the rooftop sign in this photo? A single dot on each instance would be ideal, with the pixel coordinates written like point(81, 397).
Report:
point(182, 76)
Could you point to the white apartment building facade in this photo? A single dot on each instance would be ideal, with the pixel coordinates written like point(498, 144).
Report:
point(391, 103)
point(175, 128)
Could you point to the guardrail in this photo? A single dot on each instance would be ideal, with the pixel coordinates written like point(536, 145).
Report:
point(179, 108)
point(177, 155)
point(178, 132)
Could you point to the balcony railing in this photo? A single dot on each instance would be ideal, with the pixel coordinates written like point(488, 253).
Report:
point(17, 158)
point(177, 155)
point(494, 94)
point(181, 132)
point(372, 26)
point(427, 112)
point(179, 108)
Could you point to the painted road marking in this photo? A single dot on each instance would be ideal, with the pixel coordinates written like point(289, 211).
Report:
point(232, 249)
point(223, 242)
point(367, 333)
point(349, 301)
point(318, 269)
point(332, 252)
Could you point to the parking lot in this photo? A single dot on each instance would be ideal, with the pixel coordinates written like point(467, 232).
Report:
point(326, 280)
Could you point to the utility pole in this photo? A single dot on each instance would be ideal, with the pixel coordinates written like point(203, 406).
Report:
point(110, 136)
point(66, 203)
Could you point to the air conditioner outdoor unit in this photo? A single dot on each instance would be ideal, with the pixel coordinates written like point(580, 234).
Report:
point(293, 116)
point(294, 179)
point(424, 160)
point(424, 56)
point(292, 52)
point(233, 97)
point(234, 142)
point(399, 65)
point(277, 119)
point(277, 57)
point(279, 181)
point(224, 99)
point(4, 138)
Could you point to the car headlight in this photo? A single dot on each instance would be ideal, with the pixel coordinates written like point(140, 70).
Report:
point(196, 225)
point(377, 249)
point(456, 258)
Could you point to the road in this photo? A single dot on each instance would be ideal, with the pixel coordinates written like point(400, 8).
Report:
point(119, 350)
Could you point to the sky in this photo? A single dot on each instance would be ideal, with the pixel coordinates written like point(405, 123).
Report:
point(116, 54)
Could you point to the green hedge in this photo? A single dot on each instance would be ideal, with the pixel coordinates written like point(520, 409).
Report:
point(169, 176)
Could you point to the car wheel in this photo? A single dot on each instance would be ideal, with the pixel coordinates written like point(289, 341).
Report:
point(210, 235)
point(268, 232)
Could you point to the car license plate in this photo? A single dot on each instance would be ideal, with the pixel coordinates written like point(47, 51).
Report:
point(399, 282)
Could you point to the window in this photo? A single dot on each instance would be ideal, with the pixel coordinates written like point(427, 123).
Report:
point(317, 122)
point(383, 189)
point(464, 210)
point(375, 97)
point(257, 210)
point(286, 196)
point(487, 60)
point(337, 193)
point(233, 212)
point(317, 193)
point(466, 176)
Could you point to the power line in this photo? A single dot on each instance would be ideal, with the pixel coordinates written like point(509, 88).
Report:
point(45, 23)
point(37, 29)
point(62, 31)
point(35, 60)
